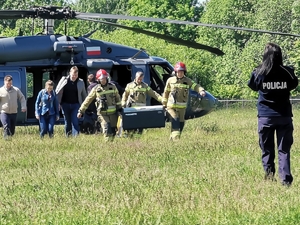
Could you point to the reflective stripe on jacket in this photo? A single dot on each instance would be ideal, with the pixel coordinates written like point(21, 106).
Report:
point(176, 92)
point(111, 95)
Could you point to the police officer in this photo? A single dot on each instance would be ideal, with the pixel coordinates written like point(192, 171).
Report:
point(273, 81)
point(175, 98)
point(136, 92)
point(107, 102)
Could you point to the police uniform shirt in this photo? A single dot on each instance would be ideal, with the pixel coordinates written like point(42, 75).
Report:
point(274, 91)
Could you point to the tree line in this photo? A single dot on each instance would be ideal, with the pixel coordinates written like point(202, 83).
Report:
point(224, 76)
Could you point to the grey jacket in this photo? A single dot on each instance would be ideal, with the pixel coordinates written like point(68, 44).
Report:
point(80, 88)
point(9, 100)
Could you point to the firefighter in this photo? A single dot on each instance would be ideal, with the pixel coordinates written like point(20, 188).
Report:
point(175, 98)
point(107, 102)
point(135, 95)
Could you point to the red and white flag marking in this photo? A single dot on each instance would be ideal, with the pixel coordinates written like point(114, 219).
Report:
point(96, 50)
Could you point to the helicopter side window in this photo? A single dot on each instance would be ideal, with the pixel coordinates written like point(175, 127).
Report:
point(29, 85)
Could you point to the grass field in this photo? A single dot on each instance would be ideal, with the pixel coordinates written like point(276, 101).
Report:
point(212, 176)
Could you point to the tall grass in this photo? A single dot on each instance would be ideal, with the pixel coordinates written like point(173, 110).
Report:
point(213, 175)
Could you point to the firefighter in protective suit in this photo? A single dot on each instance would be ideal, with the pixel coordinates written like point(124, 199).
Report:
point(135, 95)
point(175, 98)
point(108, 104)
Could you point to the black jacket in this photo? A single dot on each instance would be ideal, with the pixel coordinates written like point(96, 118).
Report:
point(274, 91)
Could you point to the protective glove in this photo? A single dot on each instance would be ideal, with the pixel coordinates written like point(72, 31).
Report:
point(202, 93)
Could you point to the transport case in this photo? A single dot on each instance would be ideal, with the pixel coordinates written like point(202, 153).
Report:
point(143, 117)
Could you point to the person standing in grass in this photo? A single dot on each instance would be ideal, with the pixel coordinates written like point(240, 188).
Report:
point(273, 82)
point(46, 109)
point(90, 124)
point(108, 104)
point(175, 98)
point(71, 93)
point(9, 96)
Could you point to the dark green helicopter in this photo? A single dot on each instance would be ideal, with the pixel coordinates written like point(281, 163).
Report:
point(49, 56)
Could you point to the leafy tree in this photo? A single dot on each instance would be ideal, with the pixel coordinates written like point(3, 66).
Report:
point(169, 9)
point(237, 13)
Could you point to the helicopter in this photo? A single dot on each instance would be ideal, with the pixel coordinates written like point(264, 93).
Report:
point(30, 60)
point(34, 59)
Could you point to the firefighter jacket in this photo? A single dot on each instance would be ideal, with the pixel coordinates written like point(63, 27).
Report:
point(107, 99)
point(177, 92)
point(136, 94)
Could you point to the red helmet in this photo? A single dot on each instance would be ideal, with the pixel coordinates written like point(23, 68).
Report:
point(179, 66)
point(101, 74)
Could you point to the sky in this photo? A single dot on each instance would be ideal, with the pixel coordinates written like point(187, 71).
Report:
point(200, 1)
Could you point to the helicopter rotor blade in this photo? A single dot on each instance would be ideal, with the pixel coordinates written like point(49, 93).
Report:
point(16, 14)
point(139, 18)
point(174, 40)
point(67, 13)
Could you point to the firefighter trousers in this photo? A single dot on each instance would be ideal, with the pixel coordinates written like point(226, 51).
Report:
point(177, 122)
point(109, 125)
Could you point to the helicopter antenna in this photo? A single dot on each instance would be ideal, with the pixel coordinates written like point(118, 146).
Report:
point(89, 33)
point(139, 52)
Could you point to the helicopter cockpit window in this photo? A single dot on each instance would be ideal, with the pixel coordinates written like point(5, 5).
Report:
point(29, 85)
point(158, 76)
point(162, 71)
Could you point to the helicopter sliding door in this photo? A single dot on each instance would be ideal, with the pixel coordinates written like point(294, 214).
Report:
point(19, 80)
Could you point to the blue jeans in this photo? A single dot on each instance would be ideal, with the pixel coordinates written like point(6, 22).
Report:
point(9, 123)
point(71, 121)
point(47, 125)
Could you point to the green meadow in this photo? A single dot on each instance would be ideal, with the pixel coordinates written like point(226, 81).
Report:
point(213, 175)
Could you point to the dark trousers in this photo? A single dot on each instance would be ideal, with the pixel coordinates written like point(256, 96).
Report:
point(47, 124)
point(9, 123)
point(284, 137)
point(71, 121)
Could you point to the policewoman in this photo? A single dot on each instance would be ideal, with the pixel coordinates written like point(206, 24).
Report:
point(273, 81)
point(175, 98)
point(108, 103)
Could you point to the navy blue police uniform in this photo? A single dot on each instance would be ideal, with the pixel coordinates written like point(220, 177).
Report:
point(275, 114)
